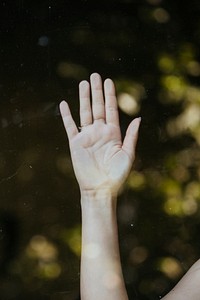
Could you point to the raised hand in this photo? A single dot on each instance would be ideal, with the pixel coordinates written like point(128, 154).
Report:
point(100, 159)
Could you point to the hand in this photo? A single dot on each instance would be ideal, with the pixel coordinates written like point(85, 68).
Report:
point(100, 159)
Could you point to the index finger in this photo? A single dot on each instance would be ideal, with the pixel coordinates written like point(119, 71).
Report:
point(112, 115)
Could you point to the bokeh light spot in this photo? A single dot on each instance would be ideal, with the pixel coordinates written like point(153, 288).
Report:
point(161, 15)
point(171, 267)
point(138, 255)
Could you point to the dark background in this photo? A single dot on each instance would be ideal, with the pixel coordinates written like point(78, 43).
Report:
point(151, 50)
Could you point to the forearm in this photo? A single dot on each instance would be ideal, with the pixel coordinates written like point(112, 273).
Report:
point(101, 274)
point(188, 287)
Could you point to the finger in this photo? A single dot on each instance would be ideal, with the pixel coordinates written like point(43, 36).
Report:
point(131, 138)
point(112, 116)
point(85, 107)
point(98, 108)
point(68, 121)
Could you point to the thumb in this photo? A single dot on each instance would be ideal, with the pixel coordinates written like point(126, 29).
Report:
point(131, 138)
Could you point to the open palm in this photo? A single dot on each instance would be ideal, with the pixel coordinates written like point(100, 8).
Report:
point(100, 159)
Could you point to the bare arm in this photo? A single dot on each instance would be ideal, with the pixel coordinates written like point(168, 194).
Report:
point(188, 288)
point(101, 163)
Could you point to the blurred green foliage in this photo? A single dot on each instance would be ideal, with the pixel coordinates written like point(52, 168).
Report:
point(150, 48)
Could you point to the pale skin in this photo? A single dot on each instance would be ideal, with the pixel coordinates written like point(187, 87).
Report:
point(102, 162)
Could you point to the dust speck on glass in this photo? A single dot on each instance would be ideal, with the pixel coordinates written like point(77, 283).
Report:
point(150, 50)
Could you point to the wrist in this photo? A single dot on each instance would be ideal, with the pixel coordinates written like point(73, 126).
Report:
point(101, 198)
point(97, 194)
